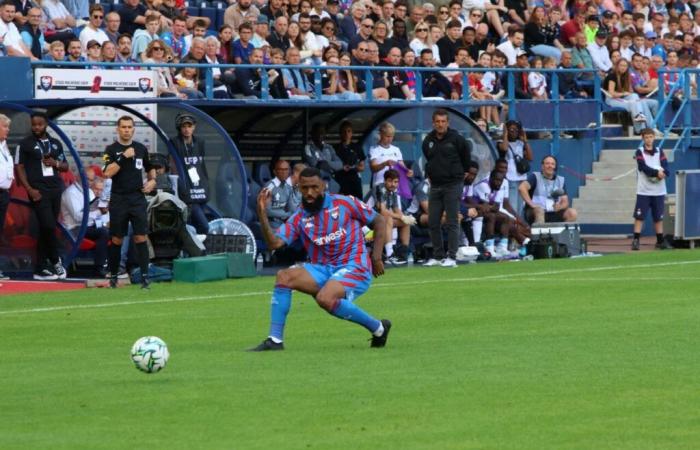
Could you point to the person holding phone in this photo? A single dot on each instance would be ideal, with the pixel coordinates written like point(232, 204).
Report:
point(40, 159)
point(516, 150)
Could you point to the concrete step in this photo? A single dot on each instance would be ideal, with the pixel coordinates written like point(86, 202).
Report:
point(604, 208)
point(616, 156)
point(605, 192)
point(622, 219)
point(629, 143)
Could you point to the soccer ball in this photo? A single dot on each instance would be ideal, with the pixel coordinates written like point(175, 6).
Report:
point(150, 354)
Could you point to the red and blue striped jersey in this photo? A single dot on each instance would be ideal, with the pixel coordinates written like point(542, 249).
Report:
point(334, 235)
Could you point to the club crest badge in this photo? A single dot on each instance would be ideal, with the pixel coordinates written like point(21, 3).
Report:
point(144, 84)
point(335, 214)
point(46, 83)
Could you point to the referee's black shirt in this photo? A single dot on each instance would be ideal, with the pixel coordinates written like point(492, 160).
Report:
point(129, 179)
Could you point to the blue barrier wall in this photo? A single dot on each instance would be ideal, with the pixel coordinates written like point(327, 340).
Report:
point(17, 79)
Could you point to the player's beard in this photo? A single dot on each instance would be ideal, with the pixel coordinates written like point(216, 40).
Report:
point(315, 206)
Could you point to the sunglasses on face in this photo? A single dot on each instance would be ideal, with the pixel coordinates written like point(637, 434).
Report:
point(367, 25)
point(97, 17)
point(421, 30)
point(157, 49)
point(444, 12)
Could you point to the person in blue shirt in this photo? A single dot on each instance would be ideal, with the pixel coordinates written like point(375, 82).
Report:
point(243, 47)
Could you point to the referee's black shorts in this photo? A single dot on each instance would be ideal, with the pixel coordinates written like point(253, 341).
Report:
point(125, 208)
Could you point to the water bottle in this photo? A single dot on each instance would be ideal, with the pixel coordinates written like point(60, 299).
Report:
point(259, 262)
point(410, 259)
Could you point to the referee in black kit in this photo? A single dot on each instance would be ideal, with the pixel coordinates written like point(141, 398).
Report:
point(125, 161)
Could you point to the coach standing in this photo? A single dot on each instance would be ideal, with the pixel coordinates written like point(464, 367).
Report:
point(447, 156)
point(39, 162)
point(125, 161)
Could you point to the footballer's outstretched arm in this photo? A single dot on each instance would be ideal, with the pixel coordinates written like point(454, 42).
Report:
point(379, 227)
point(271, 239)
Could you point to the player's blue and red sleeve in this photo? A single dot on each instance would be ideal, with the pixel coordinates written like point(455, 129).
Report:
point(664, 161)
point(290, 230)
point(642, 165)
point(361, 212)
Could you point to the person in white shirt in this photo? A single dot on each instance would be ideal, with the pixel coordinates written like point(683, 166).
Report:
point(513, 46)
point(599, 52)
point(9, 35)
point(93, 30)
point(384, 155)
point(7, 173)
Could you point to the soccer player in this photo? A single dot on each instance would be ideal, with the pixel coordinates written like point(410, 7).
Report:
point(330, 228)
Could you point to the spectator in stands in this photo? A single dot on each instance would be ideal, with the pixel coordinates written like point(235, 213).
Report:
point(450, 43)
point(32, 34)
point(94, 53)
point(75, 53)
point(93, 30)
point(224, 79)
point(332, 87)
point(520, 78)
point(262, 32)
point(143, 37)
point(280, 207)
point(541, 35)
point(353, 158)
point(417, 15)
point(568, 87)
point(295, 198)
point(273, 9)
point(112, 22)
point(320, 154)
point(11, 38)
point(175, 38)
point(193, 184)
point(545, 197)
point(248, 81)
point(295, 81)
point(345, 77)
point(40, 159)
point(422, 41)
point(7, 173)
point(278, 35)
point(59, 22)
point(351, 23)
point(57, 52)
point(385, 155)
point(513, 46)
point(240, 12)
point(380, 36)
point(591, 28)
point(397, 79)
point(109, 53)
point(652, 171)
point(155, 52)
point(619, 94)
point(536, 81)
point(447, 156)
point(294, 39)
point(600, 54)
point(435, 84)
point(225, 38)
point(581, 57)
point(72, 202)
point(78, 8)
point(398, 33)
point(385, 200)
point(242, 47)
point(187, 80)
point(517, 151)
point(124, 49)
point(132, 15)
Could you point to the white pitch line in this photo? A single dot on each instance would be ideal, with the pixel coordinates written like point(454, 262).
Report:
point(515, 277)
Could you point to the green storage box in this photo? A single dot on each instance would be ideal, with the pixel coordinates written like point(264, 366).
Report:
point(201, 268)
point(240, 265)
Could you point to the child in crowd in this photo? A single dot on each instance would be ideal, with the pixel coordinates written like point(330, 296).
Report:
point(537, 84)
point(187, 79)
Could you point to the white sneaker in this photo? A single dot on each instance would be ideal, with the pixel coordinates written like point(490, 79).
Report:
point(448, 262)
point(432, 262)
point(59, 270)
point(640, 118)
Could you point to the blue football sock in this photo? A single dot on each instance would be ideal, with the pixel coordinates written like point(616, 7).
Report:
point(279, 308)
point(347, 310)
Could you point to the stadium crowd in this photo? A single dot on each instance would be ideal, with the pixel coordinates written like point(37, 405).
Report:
point(626, 42)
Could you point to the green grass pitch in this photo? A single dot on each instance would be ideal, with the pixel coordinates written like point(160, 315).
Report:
point(597, 353)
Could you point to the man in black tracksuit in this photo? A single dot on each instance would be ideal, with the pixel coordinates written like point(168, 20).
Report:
point(40, 160)
point(125, 161)
point(447, 156)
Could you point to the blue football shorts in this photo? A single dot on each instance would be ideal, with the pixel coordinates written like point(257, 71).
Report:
point(356, 280)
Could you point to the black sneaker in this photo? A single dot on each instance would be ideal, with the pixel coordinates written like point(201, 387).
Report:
point(663, 245)
point(3, 276)
point(268, 344)
point(635, 244)
point(113, 282)
point(380, 341)
point(145, 283)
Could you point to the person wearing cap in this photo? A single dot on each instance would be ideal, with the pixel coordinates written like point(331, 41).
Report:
point(272, 10)
point(94, 53)
point(93, 30)
point(608, 23)
point(262, 32)
point(193, 183)
point(600, 53)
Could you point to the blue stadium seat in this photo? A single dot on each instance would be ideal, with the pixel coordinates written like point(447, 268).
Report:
point(108, 7)
point(193, 11)
point(219, 17)
point(209, 13)
point(262, 174)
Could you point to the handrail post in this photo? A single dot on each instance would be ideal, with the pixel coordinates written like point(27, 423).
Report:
point(555, 96)
point(318, 92)
point(369, 85)
point(209, 84)
point(598, 145)
point(511, 95)
point(265, 84)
